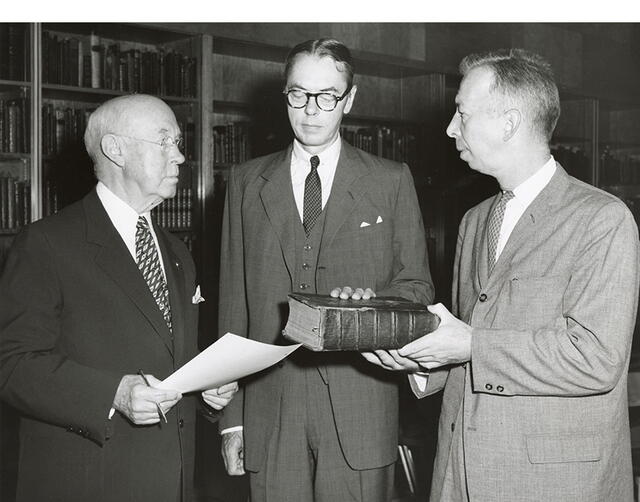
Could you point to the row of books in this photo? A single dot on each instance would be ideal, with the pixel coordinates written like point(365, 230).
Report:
point(15, 203)
point(90, 62)
point(14, 51)
point(14, 125)
point(619, 169)
point(231, 143)
point(175, 213)
point(382, 141)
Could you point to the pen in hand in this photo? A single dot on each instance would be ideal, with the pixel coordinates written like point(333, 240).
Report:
point(160, 412)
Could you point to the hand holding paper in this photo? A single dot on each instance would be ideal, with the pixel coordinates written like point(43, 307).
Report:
point(230, 358)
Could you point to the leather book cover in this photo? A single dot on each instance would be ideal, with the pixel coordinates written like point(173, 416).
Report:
point(323, 323)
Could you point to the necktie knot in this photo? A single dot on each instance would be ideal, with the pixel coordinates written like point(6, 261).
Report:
point(315, 162)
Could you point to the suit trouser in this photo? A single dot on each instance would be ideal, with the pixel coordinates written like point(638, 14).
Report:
point(304, 460)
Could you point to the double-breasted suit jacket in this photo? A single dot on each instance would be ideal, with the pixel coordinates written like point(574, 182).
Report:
point(75, 316)
point(372, 237)
point(542, 406)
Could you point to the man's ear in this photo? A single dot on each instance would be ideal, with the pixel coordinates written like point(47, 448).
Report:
point(111, 149)
point(350, 98)
point(512, 121)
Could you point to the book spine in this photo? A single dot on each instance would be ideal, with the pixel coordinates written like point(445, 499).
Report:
point(96, 62)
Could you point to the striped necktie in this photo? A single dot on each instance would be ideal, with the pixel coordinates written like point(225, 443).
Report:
point(312, 196)
point(495, 224)
point(149, 264)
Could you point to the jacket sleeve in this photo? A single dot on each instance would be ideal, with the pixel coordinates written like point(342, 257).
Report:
point(411, 278)
point(233, 307)
point(35, 377)
point(583, 349)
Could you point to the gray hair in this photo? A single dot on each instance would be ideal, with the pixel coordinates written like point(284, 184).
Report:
point(526, 78)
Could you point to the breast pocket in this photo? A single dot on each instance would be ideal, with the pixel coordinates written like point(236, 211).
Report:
point(568, 447)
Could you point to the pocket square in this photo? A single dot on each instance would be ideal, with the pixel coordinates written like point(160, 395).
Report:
point(379, 220)
point(364, 224)
point(197, 298)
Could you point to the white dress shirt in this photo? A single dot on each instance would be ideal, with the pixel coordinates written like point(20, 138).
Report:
point(523, 195)
point(301, 167)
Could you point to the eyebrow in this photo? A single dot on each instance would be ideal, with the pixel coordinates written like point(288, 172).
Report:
point(302, 88)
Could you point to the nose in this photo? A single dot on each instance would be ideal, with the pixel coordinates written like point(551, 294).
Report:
point(177, 156)
point(454, 126)
point(312, 106)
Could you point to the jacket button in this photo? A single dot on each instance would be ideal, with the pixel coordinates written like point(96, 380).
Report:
point(453, 426)
point(306, 266)
point(488, 386)
point(307, 247)
point(483, 297)
point(303, 285)
point(181, 423)
point(499, 388)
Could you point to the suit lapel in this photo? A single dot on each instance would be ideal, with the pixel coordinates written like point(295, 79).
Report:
point(279, 204)
point(114, 259)
point(345, 192)
point(177, 293)
point(533, 217)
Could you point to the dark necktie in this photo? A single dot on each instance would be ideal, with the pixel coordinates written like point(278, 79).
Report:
point(149, 264)
point(312, 196)
point(495, 224)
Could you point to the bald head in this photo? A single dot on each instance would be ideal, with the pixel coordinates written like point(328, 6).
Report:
point(122, 115)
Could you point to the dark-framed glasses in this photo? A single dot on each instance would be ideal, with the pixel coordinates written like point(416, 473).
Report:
point(326, 101)
point(165, 143)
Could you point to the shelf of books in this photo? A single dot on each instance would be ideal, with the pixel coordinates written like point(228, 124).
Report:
point(15, 127)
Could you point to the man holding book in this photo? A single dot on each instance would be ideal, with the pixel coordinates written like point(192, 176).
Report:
point(534, 358)
point(313, 218)
point(91, 298)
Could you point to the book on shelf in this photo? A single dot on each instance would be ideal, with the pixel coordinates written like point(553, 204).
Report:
point(175, 213)
point(14, 120)
point(391, 143)
point(324, 323)
point(14, 51)
point(94, 62)
point(231, 143)
point(15, 194)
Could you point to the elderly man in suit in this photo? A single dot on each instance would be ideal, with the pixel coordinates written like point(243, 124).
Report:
point(545, 293)
point(90, 296)
point(313, 218)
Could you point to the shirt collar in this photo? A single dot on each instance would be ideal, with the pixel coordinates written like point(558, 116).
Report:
point(121, 214)
point(529, 189)
point(328, 156)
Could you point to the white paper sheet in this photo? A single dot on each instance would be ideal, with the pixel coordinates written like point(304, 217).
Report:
point(226, 360)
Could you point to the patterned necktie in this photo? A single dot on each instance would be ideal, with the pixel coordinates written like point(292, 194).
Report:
point(312, 196)
point(149, 264)
point(495, 224)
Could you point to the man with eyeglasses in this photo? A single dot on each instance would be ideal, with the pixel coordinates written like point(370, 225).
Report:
point(319, 217)
point(91, 299)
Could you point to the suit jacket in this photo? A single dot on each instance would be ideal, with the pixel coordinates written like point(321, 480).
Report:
point(544, 399)
point(258, 257)
point(75, 316)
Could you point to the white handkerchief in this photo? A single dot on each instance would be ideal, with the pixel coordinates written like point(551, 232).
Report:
point(197, 298)
point(364, 224)
point(379, 220)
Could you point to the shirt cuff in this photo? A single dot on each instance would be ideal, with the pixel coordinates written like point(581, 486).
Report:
point(231, 429)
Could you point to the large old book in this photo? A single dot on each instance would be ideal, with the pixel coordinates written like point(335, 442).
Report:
point(323, 323)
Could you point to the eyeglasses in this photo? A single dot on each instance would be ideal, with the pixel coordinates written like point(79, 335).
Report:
point(165, 143)
point(326, 101)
